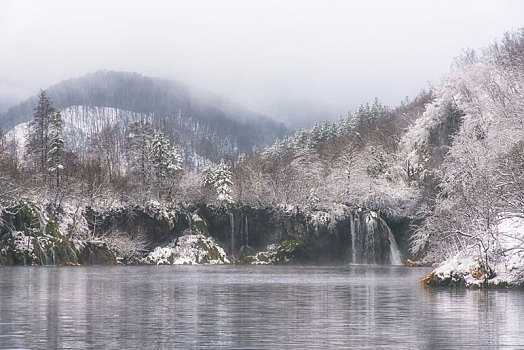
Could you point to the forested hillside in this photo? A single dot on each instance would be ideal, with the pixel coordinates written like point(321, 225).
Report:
point(198, 122)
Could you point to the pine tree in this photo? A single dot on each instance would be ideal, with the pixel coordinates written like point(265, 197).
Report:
point(38, 141)
point(175, 162)
point(208, 177)
point(160, 155)
point(165, 160)
point(207, 182)
point(55, 147)
point(223, 183)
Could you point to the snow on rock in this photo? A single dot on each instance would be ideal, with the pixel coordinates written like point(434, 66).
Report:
point(72, 222)
point(285, 252)
point(268, 256)
point(159, 212)
point(190, 249)
point(506, 261)
point(29, 236)
point(199, 225)
point(320, 219)
point(459, 270)
point(22, 243)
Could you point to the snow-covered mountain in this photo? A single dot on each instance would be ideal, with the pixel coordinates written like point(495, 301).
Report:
point(198, 122)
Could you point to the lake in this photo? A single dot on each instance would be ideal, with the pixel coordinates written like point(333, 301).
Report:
point(250, 307)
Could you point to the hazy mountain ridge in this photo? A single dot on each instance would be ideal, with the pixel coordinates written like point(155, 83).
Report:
point(191, 117)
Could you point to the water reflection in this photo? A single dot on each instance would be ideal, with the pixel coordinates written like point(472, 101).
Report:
point(366, 307)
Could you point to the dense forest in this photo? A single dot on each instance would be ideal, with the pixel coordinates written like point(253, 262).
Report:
point(447, 166)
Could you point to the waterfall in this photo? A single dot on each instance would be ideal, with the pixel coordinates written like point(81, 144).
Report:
point(357, 242)
point(372, 241)
point(43, 222)
point(247, 231)
point(43, 257)
point(245, 249)
point(190, 223)
point(53, 256)
point(232, 224)
point(353, 239)
point(91, 257)
point(394, 254)
point(371, 231)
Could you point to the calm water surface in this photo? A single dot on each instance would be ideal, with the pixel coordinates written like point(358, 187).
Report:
point(232, 307)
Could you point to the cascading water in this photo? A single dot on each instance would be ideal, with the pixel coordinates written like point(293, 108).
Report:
point(394, 254)
point(244, 229)
point(91, 257)
point(353, 239)
point(372, 241)
point(43, 257)
point(247, 231)
point(42, 221)
point(53, 257)
point(371, 233)
point(232, 224)
point(190, 223)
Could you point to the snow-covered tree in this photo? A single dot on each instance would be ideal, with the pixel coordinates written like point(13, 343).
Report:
point(207, 183)
point(175, 162)
point(379, 165)
point(160, 155)
point(208, 177)
point(477, 181)
point(223, 182)
point(55, 147)
point(166, 163)
point(38, 141)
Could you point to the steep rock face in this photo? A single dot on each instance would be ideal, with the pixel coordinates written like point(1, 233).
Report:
point(158, 224)
point(96, 253)
point(354, 236)
point(351, 236)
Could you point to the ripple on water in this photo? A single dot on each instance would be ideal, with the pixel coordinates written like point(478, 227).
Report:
point(357, 306)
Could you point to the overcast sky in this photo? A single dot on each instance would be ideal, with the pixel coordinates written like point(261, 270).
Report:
point(280, 58)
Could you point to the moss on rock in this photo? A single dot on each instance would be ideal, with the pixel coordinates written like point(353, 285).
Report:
point(200, 225)
point(29, 237)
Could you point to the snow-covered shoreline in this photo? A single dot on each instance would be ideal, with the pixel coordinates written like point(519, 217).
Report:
point(501, 265)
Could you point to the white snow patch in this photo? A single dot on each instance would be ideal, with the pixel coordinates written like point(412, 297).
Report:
point(507, 260)
point(459, 267)
point(267, 257)
point(191, 249)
